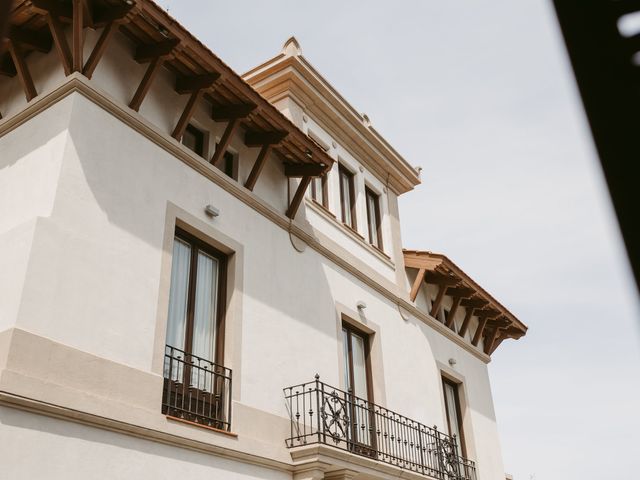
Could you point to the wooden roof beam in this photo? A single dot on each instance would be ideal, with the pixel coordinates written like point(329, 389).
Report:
point(99, 49)
point(232, 112)
point(187, 113)
point(196, 85)
point(52, 7)
point(196, 82)
point(148, 52)
point(60, 41)
point(113, 14)
point(259, 139)
point(490, 339)
point(265, 140)
point(460, 292)
point(297, 198)
point(5, 8)
point(23, 71)
point(157, 54)
point(474, 302)
point(417, 283)
point(224, 142)
point(301, 170)
point(499, 322)
point(488, 312)
point(53, 11)
point(466, 322)
point(77, 40)
point(88, 7)
point(481, 325)
point(7, 68)
point(452, 313)
point(435, 306)
point(145, 83)
point(113, 18)
point(259, 164)
point(439, 279)
point(37, 40)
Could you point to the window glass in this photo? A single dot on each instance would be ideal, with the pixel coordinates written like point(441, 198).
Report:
point(453, 409)
point(229, 164)
point(319, 190)
point(194, 301)
point(356, 376)
point(373, 219)
point(359, 367)
point(178, 293)
point(346, 197)
point(347, 361)
point(193, 139)
point(205, 303)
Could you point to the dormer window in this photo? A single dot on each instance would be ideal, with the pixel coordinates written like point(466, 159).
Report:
point(347, 198)
point(193, 139)
point(373, 218)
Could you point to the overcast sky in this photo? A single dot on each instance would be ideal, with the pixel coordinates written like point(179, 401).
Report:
point(480, 94)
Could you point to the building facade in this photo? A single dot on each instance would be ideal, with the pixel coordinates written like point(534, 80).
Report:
point(202, 273)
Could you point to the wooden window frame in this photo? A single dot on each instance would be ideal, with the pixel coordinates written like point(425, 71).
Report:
point(227, 157)
point(200, 139)
point(197, 245)
point(367, 354)
point(458, 406)
point(350, 176)
point(369, 193)
point(362, 448)
point(324, 191)
point(222, 163)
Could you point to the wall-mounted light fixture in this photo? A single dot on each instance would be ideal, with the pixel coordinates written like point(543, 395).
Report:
point(452, 361)
point(211, 211)
point(361, 305)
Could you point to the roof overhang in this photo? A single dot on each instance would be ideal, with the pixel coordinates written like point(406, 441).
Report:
point(498, 323)
point(160, 41)
point(290, 75)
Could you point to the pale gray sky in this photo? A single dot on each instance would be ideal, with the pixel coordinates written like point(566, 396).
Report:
point(481, 95)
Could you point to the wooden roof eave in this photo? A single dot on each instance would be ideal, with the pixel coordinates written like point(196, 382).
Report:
point(147, 24)
point(266, 109)
point(442, 270)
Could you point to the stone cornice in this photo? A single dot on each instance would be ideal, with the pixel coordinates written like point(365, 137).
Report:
point(294, 77)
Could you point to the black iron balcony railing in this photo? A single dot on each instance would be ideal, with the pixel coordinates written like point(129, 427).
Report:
point(323, 414)
point(196, 389)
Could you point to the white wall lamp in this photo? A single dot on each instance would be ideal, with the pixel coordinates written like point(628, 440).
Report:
point(211, 211)
point(361, 305)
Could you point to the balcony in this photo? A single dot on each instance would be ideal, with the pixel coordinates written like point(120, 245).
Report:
point(322, 414)
point(196, 390)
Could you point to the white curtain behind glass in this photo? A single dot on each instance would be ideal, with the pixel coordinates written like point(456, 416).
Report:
point(371, 217)
point(178, 294)
point(204, 318)
point(359, 367)
point(345, 192)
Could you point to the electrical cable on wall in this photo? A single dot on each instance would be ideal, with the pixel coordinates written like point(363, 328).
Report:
point(291, 238)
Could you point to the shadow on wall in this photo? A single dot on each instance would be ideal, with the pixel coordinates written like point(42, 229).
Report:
point(131, 179)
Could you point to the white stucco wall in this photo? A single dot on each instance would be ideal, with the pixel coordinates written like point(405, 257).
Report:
point(36, 447)
point(84, 202)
